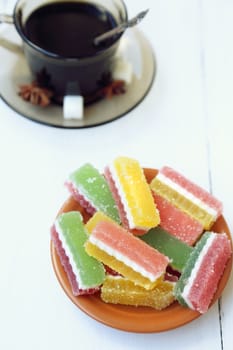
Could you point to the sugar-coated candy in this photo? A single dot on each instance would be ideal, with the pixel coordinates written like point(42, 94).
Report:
point(177, 222)
point(132, 194)
point(177, 251)
point(91, 190)
point(95, 219)
point(144, 242)
point(119, 290)
point(126, 254)
point(84, 272)
point(200, 277)
point(187, 196)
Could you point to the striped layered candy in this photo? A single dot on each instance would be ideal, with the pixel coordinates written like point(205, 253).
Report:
point(204, 268)
point(127, 254)
point(91, 190)
point(84, 272)
point(187, 196)
point(119, 290)
point(132, 194)
point(177, 222)
point(95, 219)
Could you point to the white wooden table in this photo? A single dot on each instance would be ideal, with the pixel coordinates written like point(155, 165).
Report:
point(186, 121)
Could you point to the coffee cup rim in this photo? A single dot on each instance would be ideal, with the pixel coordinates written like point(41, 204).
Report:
point(52, 55)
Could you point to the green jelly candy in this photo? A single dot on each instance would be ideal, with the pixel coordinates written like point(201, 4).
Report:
point(94, 187)
point(169, 245)
point(184, 278)
point(71, 227)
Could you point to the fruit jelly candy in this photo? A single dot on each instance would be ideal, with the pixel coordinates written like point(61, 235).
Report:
point(167, 244)
point(119, 290)
point(126, 254)
point(187, 196)
point(93, 221)
point(91, 189)
point(68, 268)
point(88, 272)
point(176, 222)
point(193, 188)
point(90, 225)
point(204, 268)
point(132, 194)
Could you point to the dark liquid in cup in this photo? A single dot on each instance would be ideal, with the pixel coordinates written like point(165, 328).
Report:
point(67, 29)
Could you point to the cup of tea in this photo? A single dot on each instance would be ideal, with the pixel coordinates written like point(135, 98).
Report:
point(58, 42)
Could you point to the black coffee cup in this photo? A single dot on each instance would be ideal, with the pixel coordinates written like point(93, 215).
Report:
point(56, 47)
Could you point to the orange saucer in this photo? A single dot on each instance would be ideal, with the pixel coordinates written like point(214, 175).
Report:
point(130, 318)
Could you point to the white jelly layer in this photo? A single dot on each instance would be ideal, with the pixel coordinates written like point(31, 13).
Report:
point(124, 259)
point(121, 193)
point(188, 286)
point(165, 180)
point(70, 256)
point(111, 277)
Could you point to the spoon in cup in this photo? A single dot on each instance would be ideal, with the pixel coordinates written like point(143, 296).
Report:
point(120, 28)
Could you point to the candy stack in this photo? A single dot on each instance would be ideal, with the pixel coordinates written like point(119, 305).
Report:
point(185, 208)
point(127, 254)
point(144, 244)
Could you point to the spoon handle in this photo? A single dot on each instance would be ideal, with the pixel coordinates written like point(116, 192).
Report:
point(119, 29)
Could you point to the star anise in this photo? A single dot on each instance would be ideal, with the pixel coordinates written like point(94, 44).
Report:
point(35, 94)
point(116, 87)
